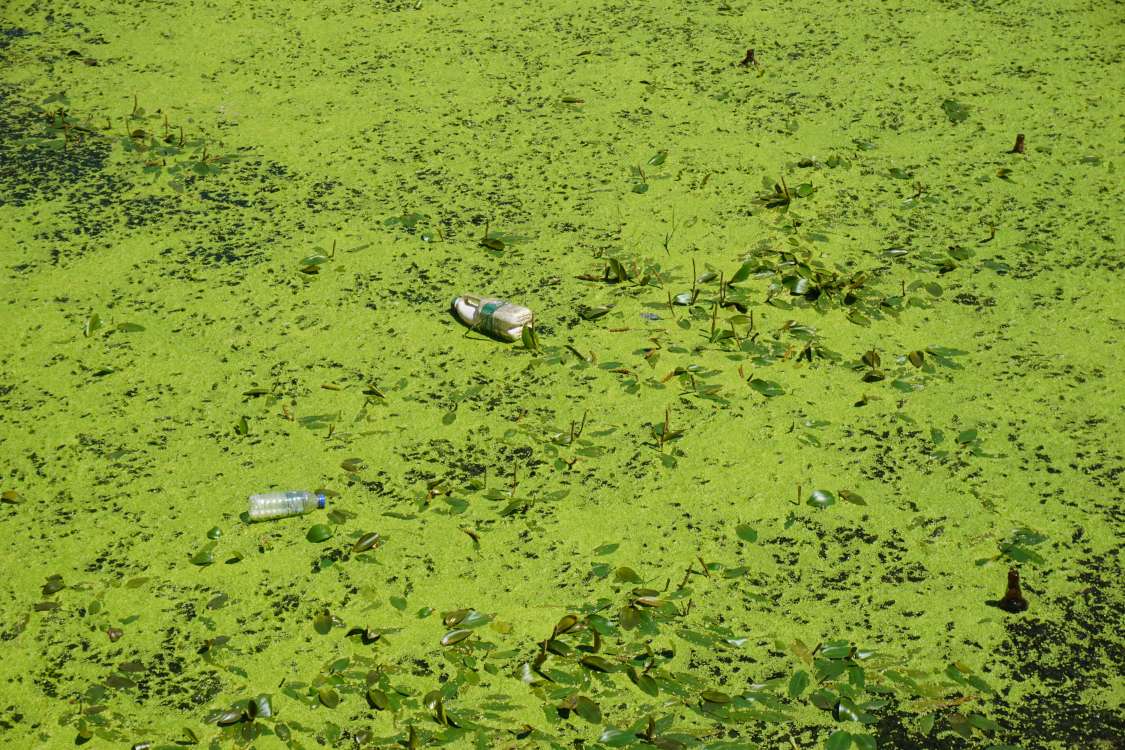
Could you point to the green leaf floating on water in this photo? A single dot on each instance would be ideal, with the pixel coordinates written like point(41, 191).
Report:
point(714, 696)
point(627, 575)
point(766, 387)
point(797, 683)
point(864, 742)
point(821, 499)
point(617, 737)
point(455, 636)
point(377, 698)
point(319, 533)
point(588, 710)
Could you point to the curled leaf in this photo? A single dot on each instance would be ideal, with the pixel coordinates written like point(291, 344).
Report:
point(366, 542)
point(455, 636)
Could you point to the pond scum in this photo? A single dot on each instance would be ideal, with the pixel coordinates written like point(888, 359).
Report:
point(824, 343)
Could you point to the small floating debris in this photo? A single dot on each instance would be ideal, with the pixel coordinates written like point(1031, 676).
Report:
point(1013, 600)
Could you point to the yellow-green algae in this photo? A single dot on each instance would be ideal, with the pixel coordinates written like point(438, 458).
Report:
point(344, 116)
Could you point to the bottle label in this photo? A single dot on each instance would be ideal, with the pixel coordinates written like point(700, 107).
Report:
point(488, 322)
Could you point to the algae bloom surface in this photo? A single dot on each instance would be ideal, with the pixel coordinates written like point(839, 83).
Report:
point(821, 352)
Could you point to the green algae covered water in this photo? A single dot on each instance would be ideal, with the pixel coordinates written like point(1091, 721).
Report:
point(821, 352)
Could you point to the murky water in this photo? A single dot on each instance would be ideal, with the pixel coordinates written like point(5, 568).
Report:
point(819, 357)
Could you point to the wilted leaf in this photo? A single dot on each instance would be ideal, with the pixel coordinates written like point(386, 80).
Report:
point(981, 722)
point(959, 723)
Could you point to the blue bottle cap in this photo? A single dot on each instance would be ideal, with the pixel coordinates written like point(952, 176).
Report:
point(321, 499)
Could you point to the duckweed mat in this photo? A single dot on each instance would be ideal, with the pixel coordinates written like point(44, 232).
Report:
point(824, 346)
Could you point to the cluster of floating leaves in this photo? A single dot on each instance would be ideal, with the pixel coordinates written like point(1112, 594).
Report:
point(165, 153)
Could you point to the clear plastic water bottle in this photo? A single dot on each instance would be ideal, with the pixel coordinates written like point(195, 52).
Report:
point(493, 316)
point(283, 504)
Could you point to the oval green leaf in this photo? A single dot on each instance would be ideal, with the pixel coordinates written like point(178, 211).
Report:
point(838, 740)
point(627, 574)
point(617, 737)
point(714, 696)
point(598, 664)
point(821, 499)
point(377, 698)
point(797, 683)
point(588, 710)
point(319, 533)
point(630, 618)
point(455, 636)
point(745, 533)
point(366, 542)
point(329, 697)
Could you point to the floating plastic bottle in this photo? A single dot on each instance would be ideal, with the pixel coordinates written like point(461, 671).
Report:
point(493, 316)
point(283, 504)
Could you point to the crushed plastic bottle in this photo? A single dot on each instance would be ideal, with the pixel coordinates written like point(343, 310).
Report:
point(493, 316)
point(283, 504)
